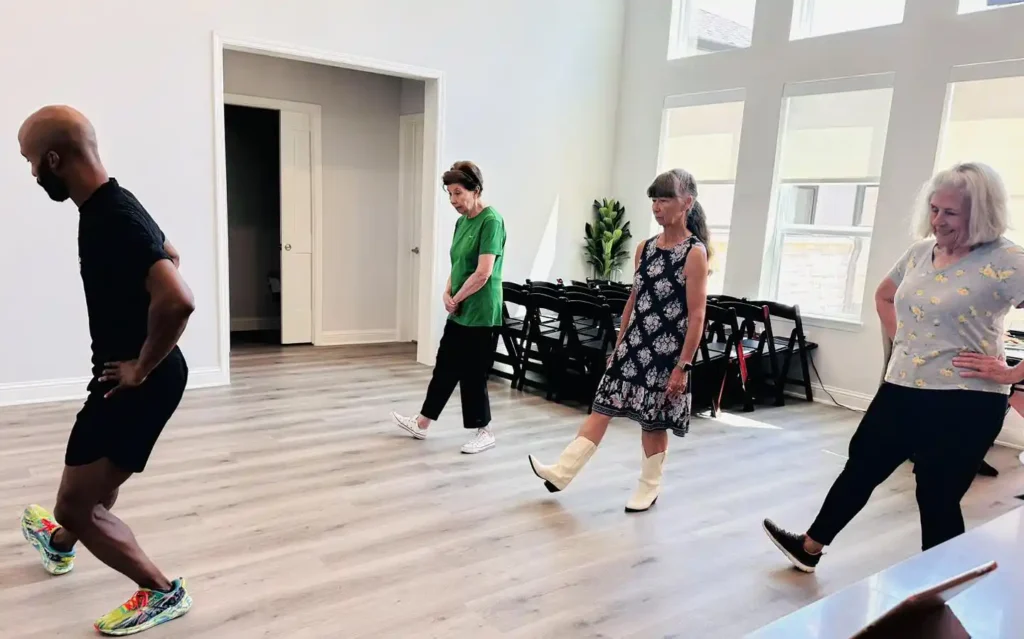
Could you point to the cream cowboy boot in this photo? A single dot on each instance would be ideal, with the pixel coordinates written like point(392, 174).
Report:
point(573, 458)
point(650, 484)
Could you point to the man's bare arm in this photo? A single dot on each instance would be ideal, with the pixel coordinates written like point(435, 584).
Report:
point(171, 303)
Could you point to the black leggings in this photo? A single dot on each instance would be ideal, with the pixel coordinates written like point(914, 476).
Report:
point(464, 358)
point(946, 431)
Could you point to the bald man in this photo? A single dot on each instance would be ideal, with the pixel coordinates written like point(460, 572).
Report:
point(138, 307)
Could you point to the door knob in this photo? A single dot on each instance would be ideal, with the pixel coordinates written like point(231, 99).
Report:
point(416, 250)
point(287, 247)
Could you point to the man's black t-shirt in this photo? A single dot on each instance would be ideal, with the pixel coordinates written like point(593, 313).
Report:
point(118, 242)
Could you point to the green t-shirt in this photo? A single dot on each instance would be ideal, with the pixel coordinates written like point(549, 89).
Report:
point(476, 236)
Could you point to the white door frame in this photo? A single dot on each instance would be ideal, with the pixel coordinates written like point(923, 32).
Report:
point(407, 124)
point(428, 323)
point(316, 161)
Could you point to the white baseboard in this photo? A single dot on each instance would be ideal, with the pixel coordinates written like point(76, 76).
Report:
point(1012, 434)
point(73, 389)
point(255, 323)
point(345, 338)
point(1009, 442)
point(208, 378)
point(850, 399)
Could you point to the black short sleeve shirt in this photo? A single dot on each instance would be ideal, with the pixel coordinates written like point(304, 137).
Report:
point(118, 242)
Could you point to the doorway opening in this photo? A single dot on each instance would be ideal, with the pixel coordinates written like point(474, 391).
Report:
point(370, 194)
point(252, 142)
point(272, 166)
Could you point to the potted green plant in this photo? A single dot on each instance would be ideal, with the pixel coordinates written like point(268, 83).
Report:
point(606, 237)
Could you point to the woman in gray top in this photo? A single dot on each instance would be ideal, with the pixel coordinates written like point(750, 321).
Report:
point(947, 384)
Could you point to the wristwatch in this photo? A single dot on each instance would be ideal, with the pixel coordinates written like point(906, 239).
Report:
point(686, 368)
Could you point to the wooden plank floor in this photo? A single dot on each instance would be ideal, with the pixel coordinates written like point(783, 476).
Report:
point(296, 509)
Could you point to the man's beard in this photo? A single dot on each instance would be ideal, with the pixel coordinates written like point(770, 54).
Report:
point(53, 185)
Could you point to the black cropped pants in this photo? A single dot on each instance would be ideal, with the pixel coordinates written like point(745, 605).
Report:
point(947, 432)
point(464, 358)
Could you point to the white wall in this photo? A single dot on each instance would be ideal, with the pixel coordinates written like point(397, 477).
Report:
point(921, 51)
point(532, 100)
point(359, 114)
point(253, 143)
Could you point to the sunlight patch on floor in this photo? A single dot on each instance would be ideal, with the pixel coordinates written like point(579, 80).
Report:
point(738, 421)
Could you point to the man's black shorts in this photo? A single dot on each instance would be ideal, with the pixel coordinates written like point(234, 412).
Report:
point(125, 427)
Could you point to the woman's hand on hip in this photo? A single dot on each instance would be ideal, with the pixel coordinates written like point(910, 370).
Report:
point(979, 366)
point(677, 382)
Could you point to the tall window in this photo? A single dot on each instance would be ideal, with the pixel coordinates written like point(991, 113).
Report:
point(704, 139)
point(821, 17)
point(706, 26)
point(830, 160)
point(984, 122)
point(970, 6)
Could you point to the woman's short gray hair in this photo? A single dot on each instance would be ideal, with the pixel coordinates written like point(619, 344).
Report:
point(984, 200)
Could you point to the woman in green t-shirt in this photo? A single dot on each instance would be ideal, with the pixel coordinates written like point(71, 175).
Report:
point(473, 300)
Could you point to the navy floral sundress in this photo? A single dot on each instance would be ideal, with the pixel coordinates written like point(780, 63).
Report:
point(634, 384)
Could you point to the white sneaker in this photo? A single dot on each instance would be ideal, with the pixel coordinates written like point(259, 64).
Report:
point(409, 425)
point(483, 440)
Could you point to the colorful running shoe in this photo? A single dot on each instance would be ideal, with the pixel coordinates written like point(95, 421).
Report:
point(146, 609)
point(37, 524)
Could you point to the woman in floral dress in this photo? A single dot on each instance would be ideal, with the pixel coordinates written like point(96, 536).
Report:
point(648, 373)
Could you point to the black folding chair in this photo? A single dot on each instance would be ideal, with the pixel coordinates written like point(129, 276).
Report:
point(540, 285)
point(585, 353)
point(554, 289)
point(585, 325)
point(795, 344)
point(722, 347)
point(512, 333)
point(543, 347)
point(576, 288)
point(756, 337)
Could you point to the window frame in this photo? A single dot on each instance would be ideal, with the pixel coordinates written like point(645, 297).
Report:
point(989, 7)
point(706, 98)
point(979, 72)
point(858, 204)
point(720, 228)
point(778, 229)
point(855, 231)
point(802, 21)
point(682, 43)
point(714, 229)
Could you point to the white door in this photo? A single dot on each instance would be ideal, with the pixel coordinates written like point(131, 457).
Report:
point(296, 228)
point(410, 206)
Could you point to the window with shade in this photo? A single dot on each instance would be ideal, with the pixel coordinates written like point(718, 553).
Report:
point(970, 6)
point(984, 122)
point(707, 26)
point(813, 18)
point(704, 139)
point(829, 163)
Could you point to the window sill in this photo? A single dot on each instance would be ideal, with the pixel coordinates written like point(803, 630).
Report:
point(834, 323)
